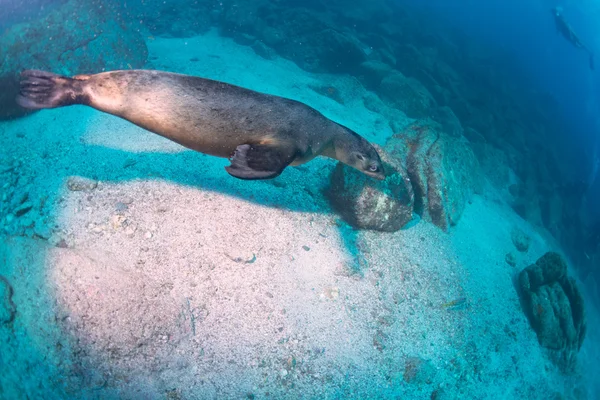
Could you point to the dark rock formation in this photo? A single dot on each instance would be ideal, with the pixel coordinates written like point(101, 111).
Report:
point(554, 307)
point(69, 40)
point(443, 171)
point(370, 204)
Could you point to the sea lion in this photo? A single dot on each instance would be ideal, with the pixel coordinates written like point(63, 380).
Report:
point(261, 134)
point(567, 32)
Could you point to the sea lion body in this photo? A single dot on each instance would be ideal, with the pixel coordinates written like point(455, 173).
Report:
point(568, 33)
point(260, 133)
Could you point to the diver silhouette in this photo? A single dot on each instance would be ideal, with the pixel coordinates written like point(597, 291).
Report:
point(565, 29)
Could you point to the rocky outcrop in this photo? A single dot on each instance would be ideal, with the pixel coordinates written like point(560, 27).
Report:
point(69, 40)
point(443, 170)
point(370, 204)
point(554, 307)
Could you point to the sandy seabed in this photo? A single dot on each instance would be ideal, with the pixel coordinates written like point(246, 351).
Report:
point(154, 274)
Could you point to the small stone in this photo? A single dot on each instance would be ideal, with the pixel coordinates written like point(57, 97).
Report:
point(306, 248)
point(130, 230)
point(42, 231)
point(98, 229)
point(283, 373)
point(418, 371)
point(332, 293)
point(520, 239)
point(78, 184)
point(117, 221)
point(7, 307)
point(148, 235)
point(511, 259)
point(24, 209)
point(121, 207)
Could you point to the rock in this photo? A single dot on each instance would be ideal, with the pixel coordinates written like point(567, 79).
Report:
point(372, 73)
point(69, 40)
point(7, 307)
point(443, 171)
point(510, 259)
point(418, 371)
point(23, 209)
point(263, 50)
point(449, 121)
point(366, 203)
point(242, 17)
point(408, 94)
point(328, 51)
point(494, 162)
point(175, 18)
point(520, 240)
point(78, 184)
point(554, 307)
point(329, 91)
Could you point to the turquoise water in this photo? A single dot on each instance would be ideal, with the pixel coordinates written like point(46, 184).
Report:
point(132, 267)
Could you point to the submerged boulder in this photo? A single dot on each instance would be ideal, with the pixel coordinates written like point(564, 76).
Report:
point(554, 307)
point(408, 94)
point(443, 170)
point(370, 204)
point(72, 39)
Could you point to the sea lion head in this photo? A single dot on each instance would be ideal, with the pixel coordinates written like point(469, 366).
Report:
point(557, 11)
point(358, 153)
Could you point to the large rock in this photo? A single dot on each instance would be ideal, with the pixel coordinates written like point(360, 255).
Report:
point(554, 307)
point(73, 39)
point(175, 18)
point(326, 51)
point(408, 94)
point(372, 72)
point(443, 170)
point(366, 203)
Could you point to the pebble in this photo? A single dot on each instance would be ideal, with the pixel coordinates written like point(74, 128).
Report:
point(23, 209)
point(7, 307)
point(121, 207)
point(78, 184)
point(148, 235)
point(520, 239)
point(42, 231)
point(511, 259)
point(117, 221)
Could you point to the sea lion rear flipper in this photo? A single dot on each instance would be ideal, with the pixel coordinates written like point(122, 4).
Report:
point(260, 161)
point(41, 89)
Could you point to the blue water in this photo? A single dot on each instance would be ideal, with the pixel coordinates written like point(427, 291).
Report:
point(526, 30)
point(131, 267)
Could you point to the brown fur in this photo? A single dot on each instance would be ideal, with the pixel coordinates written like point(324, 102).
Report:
point(204, 115)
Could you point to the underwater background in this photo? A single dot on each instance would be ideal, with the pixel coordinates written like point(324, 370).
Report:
point(133, 268)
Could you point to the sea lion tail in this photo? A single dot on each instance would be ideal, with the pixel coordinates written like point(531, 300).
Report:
point(40, 89)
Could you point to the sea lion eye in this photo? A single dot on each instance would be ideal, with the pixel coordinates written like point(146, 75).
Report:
point(373, 168)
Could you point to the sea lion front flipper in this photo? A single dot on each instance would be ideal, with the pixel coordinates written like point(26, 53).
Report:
point(259, 161)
